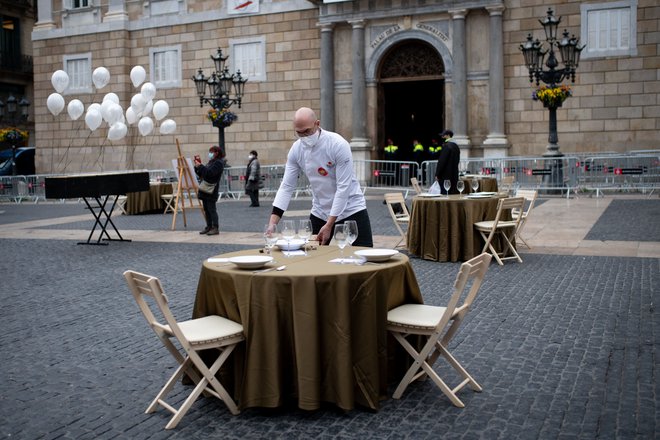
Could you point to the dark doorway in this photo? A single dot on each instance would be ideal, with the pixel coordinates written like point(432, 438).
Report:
point(413, 110)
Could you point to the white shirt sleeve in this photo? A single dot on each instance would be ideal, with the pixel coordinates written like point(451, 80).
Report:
point(344, 176)
point(292, 170)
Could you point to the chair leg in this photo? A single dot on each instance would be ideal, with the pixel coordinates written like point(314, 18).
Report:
point(468, 379)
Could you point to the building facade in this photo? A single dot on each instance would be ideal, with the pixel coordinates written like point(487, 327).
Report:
point(373, 69)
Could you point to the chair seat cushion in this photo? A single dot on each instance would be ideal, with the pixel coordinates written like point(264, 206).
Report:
point(488, 225)
point(415, 315)
point(404, 218)
point(210, 328)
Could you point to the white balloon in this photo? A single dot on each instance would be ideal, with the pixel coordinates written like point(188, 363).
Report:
point(93, 119)
point(131, 117)
point(55, 103)
point(115, 114)
point(138, 102)
point(146, 126)
point(105, 110)
point(168, 126)
point(112, 97)
point(138, 75)
point(147, 108)
point(161, 109)
point(94, 106)
point(100, 77)
point(117, 131)
point(148, 90)
point(59, 80)
point(75, 109)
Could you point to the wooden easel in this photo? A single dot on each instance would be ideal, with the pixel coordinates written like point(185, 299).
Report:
point(187, 182)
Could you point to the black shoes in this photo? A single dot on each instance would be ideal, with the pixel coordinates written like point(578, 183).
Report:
point(205, 230)
point(253, 206)
point(213, 231)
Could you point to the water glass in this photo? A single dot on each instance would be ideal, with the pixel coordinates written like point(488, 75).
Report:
point(270, 236)
point(447, 185)
point(351, 230)
point(288, 233)
point(341, 238)
point(460, 186)
point(305, 231)
point(474, 183)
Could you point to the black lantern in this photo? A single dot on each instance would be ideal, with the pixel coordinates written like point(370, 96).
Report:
point(219, 90)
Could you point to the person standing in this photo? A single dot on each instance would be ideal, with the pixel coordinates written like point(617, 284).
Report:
point(211, 174)
point(450, 156)
point(325, 158)
point(253, 178)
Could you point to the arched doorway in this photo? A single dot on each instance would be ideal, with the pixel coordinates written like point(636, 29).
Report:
point(411, 97)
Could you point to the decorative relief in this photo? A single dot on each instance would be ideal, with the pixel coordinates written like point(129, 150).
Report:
point(385, 34)
point(412, 59)
point(435, 29)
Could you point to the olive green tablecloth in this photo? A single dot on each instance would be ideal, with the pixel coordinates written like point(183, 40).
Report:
point(147, 201)
point(315, 332)
point(442, 229)
point(486, 184)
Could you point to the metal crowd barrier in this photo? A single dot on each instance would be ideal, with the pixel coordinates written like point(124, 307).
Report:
point(624, 173)
point(385, 174)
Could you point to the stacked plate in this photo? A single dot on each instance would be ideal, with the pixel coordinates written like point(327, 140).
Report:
point(250, 261)
point(377, 255)
point(292, 245)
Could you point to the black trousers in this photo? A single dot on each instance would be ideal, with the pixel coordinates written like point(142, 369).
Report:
point(210, 212)
point(254, 196)
point(364, 238)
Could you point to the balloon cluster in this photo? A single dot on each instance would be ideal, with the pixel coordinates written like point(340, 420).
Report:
point(110, 111)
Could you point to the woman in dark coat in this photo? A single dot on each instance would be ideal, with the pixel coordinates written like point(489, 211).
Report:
point(211, 173)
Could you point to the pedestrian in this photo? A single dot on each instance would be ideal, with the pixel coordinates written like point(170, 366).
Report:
point(209, 187)
point(325, 158)
point(253, 178)
point(450, 156)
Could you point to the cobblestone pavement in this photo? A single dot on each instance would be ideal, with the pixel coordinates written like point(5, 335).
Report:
point(565, 346)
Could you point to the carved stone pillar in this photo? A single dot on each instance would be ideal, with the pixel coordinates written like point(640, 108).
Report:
point(496, 144)
point(116, 11)
point(359, 141)
point(327, 77)
point(45, 16)
point(459, 77)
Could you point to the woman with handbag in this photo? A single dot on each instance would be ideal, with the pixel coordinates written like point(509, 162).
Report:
point(208, 191)
point(253, 178)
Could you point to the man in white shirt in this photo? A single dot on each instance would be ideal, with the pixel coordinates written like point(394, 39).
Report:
point(325, 158)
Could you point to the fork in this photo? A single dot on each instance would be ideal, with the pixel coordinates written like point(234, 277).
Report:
point(280, 268)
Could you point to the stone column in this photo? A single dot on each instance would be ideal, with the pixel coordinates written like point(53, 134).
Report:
point(45, 16)
point(327, 77)
point(116, 11)
point(359, 142)
point(496, 144)
point(459, 78)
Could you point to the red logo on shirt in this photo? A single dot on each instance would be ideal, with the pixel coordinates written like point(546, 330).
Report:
point(322, 171)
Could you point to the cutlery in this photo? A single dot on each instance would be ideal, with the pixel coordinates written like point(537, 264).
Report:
point(280, 268)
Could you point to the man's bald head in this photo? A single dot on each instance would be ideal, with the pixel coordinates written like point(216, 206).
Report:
point(305, 121)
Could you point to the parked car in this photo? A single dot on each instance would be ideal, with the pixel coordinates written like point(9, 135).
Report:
point(24, 161)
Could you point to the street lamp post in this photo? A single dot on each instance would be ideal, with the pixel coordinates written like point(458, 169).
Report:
point(534, 55)
point(219, 87)
point(13, 117)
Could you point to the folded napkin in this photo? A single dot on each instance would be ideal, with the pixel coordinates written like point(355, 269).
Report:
point(293, 253)
point(347, 261)
point(218, 260)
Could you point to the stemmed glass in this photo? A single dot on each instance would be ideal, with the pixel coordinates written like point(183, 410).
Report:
point(474, 183)
point(341, 238)
point(270, 237)
point(460, 186)
point(352, 231)
point(305, 231)
point(288, 232)
point(447, 185)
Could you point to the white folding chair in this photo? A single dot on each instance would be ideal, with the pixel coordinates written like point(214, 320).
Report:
point(415, 184)
point(121, 204)
point(490, 229)
point(396, 205)
point(530, 198)
point(438, 325)
point(195, 335)
point(506, 185)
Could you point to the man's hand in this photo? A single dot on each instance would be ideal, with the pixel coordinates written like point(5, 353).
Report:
point(325, 234)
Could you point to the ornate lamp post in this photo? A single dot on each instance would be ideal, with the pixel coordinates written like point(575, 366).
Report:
point(12, 117)
point(534, 56)
point(219, 87)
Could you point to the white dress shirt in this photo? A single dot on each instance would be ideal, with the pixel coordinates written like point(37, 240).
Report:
point(328, 166)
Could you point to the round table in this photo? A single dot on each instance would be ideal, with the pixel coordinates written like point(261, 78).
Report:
point(486, 183)
point(315, 332)
point(145, 202)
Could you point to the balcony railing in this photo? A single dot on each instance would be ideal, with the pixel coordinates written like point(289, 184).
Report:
point(16, 63)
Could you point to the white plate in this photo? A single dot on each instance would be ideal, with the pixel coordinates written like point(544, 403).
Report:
point(479, 196)
point(250, 261)
point(293, 245)
point(377, 254)
point(485, 193)
point(429, 195)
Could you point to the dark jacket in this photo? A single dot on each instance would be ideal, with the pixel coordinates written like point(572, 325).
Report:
point(211, 172)
point(253, 175)
point(447, 168)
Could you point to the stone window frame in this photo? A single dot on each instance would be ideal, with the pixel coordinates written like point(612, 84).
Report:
point(70, 4)
point(155, 8)
point(238, 63)
point(79, 81)
point(587, 8)
point(175, 80)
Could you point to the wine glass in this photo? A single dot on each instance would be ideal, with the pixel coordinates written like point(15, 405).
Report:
point(288, 232)
point(341, 238)
point(352, 231)
point(460, 186)
point(446, 185)
point(305, 231)
point(474, 183)
point(270, 237)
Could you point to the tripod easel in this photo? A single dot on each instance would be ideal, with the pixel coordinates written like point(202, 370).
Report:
point(188, 183)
